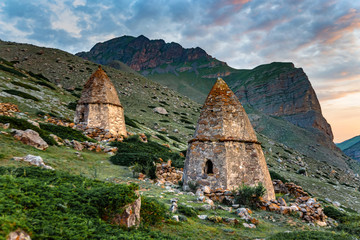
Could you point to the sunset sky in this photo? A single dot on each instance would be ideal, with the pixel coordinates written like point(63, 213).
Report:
point(322, 37)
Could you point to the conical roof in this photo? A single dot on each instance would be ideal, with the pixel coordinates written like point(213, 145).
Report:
point(99, 89)
point(223, 118)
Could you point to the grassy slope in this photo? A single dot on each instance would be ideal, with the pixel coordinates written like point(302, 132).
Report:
point(138, 95)
point(348, 143)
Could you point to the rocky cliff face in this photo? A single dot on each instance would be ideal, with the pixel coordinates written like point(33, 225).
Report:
point(280, 89)
point(141, 53)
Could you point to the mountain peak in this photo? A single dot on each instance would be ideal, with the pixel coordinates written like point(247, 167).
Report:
point(141, 53)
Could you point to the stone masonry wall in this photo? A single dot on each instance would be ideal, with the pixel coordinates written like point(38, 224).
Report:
point(104, 116)
point(246, 164)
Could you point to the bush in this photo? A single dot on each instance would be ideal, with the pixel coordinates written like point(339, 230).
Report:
point(161, 137)
point(350, 224)
point(132, 150)
point(249, 196)
point(46, 84)
point(22, 124)
point(13, 71)
point(152, 212)
point(39, 76)
point(25, 86)
point(21, 94)
point(130, 122)
point(72, 106)
point(56, 205)
point(275, 175)
point(334, 213)
point(310, 235)
point(187, 211)
point(65, 132)
point(190, 127)
point(175, 138)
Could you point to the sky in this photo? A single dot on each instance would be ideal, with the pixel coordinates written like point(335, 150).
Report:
point(322, 37)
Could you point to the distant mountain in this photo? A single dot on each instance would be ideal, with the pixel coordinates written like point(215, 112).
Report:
point(351, 147)
point(277, 90)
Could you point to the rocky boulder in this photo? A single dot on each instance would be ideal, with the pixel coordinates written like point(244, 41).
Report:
point(131, 216)
point(18, 235)
point(31, 138)
point(160, 110)
point(33, 160)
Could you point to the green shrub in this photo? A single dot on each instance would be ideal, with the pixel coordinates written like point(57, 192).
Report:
point(13, 71)
point(22, 124)
point(130, 122)
point(132, 150)
point(152, 212)
point(350, 224)
point(334, 213)
point(162, 137)
point(185, 121)
point(25, 86)
point(39, 76)
point(249, 196)
point(275, 175)
point(65, 132)
point(188, 211)
point(164, 120)
point(46, 84)
point(190, 127)
point(175, 138)
point(21, 94)
point(310, 235)
point(72, 106)
point(4, 61)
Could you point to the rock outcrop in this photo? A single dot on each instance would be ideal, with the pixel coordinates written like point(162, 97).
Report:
point(280, 89)
point(31, 138)
point(141, 53)
point(131, 215)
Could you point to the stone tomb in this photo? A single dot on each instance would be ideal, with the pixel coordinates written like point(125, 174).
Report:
point(224, 152)
point(99, 105)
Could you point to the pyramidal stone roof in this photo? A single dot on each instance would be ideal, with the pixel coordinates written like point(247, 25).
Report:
point(223, 118)
point(99, 89)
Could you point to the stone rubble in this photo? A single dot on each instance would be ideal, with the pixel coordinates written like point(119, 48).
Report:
point(79, 146)
point(306, 207)
point(34, 160)
point(165, 173)
point(8, 109)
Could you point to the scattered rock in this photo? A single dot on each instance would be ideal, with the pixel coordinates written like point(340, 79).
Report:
point(77, 145)
point(18, 235)
point(8, 109)
point(176, 218)
point(33, 160)
point(36, 124)
point(160, 110)
point(4, 125)
point(131, 216)
point(202, 217)
point(31, 138)
point(249, 225)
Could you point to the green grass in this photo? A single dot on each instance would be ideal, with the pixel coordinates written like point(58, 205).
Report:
point(311, 235)
point(56, 205)
point(65, 132)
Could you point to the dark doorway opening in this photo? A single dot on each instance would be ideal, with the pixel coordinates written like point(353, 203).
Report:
point(209, 167)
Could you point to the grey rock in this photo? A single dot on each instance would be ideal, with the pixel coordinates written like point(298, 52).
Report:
point(160, 110)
